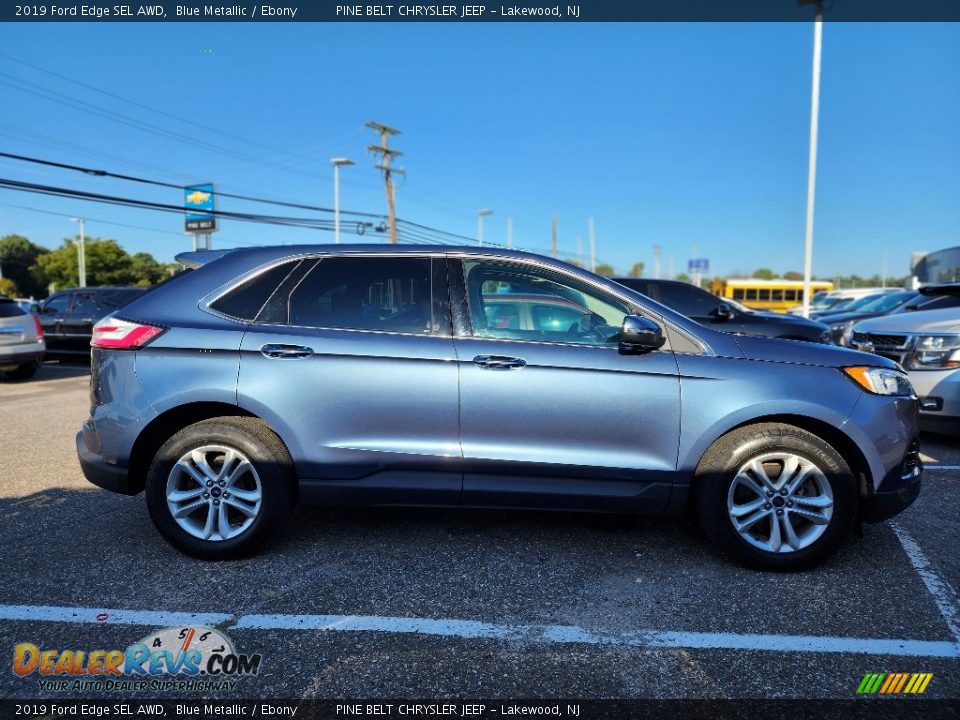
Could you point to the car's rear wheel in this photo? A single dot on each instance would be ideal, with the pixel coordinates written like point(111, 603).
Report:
point(775, 496)
point(217, 489)
point(23, 372)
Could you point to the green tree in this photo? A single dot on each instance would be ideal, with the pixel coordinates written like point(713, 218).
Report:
point(107, 264)
point(8, 287)
point(146, 270)
point(17, 258)
point(683, 277)
point(792, 275)
point(605, 269)
point(764, 274)
point(637, 269)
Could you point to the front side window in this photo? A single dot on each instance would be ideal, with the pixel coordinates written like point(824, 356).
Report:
point(85, 304)
point(57, 305)
point(387, 294)
point(518, 302)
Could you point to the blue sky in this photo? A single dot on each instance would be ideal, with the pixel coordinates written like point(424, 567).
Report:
point(681, 135)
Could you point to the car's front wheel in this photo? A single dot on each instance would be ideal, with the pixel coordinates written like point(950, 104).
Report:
point(217, 488)
point(775, 496)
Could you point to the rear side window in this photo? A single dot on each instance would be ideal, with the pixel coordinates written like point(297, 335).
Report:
point(8, 308)
point(114, 299)
point(245, 301)
point(684, 298)
point(389, 294)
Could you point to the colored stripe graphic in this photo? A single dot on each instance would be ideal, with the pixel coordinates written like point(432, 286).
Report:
point(894, 683)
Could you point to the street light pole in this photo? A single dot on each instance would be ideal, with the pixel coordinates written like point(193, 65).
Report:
point(81, 253)
point(338, 162)
point(481, 214)
point(812, 165)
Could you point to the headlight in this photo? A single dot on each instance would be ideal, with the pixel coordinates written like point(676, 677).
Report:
point(936, 352)
point(880, 381)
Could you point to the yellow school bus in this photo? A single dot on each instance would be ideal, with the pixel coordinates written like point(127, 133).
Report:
point(776, 295)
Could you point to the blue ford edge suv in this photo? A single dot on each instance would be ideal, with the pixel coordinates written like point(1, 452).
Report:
point(474, 377)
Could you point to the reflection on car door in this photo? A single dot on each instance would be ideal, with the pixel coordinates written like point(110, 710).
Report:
point(557, 417)
point(354, 362)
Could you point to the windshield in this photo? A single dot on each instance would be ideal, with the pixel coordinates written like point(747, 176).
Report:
point(885, 303)
point(857, 304)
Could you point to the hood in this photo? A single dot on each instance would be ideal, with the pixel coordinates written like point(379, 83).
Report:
point(798, 352)
point(946, 320)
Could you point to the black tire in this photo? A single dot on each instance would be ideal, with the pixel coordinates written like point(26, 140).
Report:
point(715, 477)
point(23, 372)
point(271, 463)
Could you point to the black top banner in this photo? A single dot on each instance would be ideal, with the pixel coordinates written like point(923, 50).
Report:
point(485, 11)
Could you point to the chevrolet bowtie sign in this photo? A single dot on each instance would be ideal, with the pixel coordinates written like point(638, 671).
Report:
point(198, 201)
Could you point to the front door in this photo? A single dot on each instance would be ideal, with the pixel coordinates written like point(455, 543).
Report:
point(354, 365)
point(551, 413)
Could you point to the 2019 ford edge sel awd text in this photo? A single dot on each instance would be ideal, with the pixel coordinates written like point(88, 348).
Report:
point(372, 375)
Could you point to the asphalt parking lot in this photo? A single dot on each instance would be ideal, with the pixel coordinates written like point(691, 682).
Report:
point(438, 603)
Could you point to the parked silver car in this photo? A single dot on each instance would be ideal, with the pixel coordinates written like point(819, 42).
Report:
point(21, 341)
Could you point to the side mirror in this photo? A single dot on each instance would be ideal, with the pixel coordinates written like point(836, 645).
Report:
point(723, 312)
point(640, 335)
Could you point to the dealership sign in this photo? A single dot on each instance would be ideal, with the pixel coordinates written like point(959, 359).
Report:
point(198, 201)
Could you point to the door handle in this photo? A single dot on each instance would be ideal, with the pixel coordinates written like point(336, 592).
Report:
point(499, 362)
point(286, 351)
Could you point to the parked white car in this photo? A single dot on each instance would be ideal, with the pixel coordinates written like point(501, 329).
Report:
point(834, 300)
point(927, 345)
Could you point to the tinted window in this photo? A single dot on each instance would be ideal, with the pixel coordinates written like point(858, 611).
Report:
point(110, 300)
point(84, 304)
point(738, 293)
point(245, 301)
point(386, 294)
point(8, 308)
point(57, 304)
point(684, 298)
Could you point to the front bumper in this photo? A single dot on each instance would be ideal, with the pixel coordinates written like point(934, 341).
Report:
point(941, 388)
point(103, 474)
point(898, 490)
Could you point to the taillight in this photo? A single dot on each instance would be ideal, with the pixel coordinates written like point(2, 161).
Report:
point(118, 334)
point(36, 323)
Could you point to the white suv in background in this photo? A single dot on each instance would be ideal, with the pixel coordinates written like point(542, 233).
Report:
point(21, 341)
point(927, 345)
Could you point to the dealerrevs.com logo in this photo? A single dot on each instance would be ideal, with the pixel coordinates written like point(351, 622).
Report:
point(177, 658)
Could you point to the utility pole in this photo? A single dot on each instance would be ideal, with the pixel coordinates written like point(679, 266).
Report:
point(670, 273)
point(593, 244)
point(481, 214)
point(337, 162)
point(553, 232)
point(656, 261)
point(509, 232)
point(81, 253)
point(387, 154)
point(812, 163)
point(579, 251)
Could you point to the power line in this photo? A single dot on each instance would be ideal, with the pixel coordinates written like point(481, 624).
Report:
point(387, 154)
point(164, 113)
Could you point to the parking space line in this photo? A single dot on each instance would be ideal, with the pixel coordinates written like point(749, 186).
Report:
point(943, 593)
point(941, 467)
point(474, 629)
point(105, 616)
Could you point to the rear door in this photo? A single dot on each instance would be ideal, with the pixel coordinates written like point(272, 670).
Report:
point(352, 360)
point(76, 327)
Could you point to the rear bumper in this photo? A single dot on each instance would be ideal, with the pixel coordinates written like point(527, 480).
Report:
point(20, 355)
point(898, 490)
point(103, 474)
